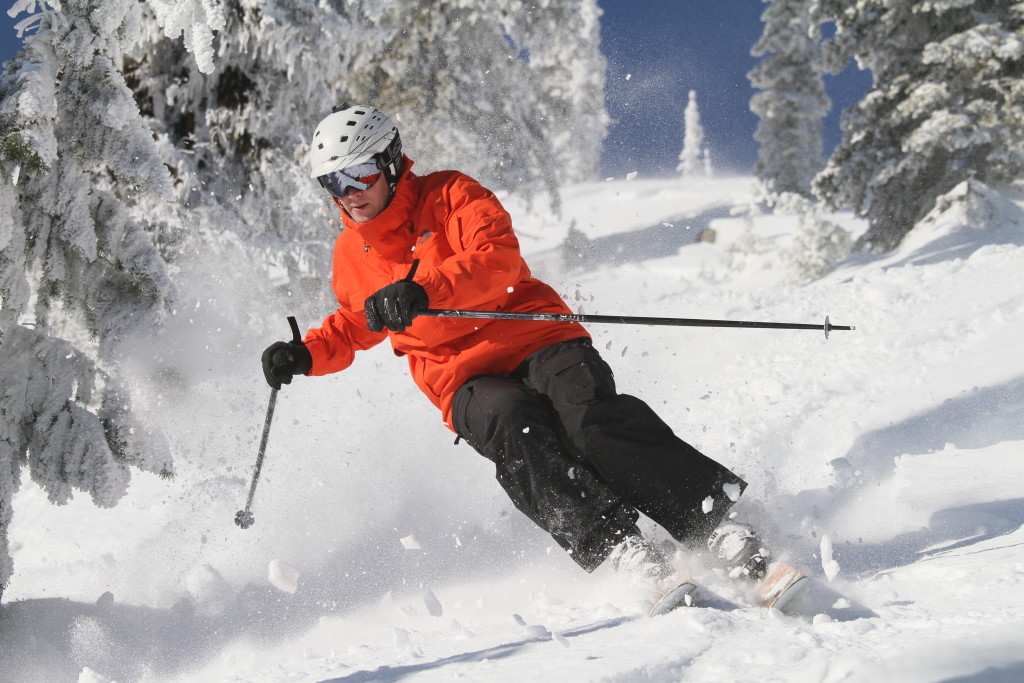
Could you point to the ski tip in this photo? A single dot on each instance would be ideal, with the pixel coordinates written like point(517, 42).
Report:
point(794, 590)
point(683, 595)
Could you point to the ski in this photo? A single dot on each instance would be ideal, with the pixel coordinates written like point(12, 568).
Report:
point(780, 584)
point(783, 588)
point(684, 594)
point(687, 593)
point(795, 594)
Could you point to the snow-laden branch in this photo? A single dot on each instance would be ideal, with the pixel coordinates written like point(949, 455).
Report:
point(195, 21)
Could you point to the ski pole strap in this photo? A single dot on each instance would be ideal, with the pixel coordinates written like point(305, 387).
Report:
point(629, 320)
point(296, 335)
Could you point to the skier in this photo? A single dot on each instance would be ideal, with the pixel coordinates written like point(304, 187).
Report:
point(575, 456)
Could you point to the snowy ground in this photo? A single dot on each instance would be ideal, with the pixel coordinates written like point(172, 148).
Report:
point(886, 461)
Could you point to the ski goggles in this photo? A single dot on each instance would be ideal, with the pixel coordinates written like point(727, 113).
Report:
point(358, 177)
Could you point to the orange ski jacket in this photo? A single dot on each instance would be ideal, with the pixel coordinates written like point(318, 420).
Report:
point(469, 259)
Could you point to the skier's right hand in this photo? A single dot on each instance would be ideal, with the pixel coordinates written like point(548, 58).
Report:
point(284, 360)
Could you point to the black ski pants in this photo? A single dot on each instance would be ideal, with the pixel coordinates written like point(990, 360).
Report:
point(580, 459)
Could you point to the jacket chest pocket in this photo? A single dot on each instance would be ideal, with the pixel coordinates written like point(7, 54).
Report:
point(431, 248)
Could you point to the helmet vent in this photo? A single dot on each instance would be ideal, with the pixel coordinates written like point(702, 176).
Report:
point(344, 138)
point(320, 146)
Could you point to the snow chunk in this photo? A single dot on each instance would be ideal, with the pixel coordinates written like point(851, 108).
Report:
point(283, 576)
point(708, 505)
point(432, 604)
point(732, 491)
point(536, 631)
point(411, 543)
point(830, 566)
point(630, 176)
point(401, 637)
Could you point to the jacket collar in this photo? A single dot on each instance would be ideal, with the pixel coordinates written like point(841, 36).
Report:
point(391, 231)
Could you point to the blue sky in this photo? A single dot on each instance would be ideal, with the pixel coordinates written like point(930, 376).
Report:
point(667, 48)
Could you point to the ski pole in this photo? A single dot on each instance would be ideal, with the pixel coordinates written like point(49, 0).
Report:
point(628, 320)
point(244, 518)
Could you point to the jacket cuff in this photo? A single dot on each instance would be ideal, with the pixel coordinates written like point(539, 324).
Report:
point(318, 351)
point(435, 293)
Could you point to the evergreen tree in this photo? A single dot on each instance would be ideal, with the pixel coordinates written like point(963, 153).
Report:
point(690, 158)
point(562, 43)
point(235, 137)
point(520, 79)
point(818, 244)
point(792, 100)
point(79, 271)
point(947, 104)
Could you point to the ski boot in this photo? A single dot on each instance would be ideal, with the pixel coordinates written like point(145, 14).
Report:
point(738, 551)
point(641, 559)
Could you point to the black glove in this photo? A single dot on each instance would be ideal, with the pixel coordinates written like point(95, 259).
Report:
point(395, 306)
point(284, 360)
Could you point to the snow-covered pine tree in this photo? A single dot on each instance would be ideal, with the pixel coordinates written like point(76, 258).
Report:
point(792, 100)
point(491, 75)
point(690, 161)
point(236, 137)
point(562, 43)
point(79, 271)
point(818, 244)
point(947, 104)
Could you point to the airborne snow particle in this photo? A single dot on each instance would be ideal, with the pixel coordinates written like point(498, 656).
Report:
point(410, 543)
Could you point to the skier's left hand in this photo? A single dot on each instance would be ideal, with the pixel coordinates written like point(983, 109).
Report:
point(393, 307)
point(284, 360)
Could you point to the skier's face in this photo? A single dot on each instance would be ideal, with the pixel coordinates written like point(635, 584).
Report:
point(365, 205)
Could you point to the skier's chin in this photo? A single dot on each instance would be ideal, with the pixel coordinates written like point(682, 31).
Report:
point(362, 214)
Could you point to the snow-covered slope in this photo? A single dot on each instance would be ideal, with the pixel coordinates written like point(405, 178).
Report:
point(887, 461)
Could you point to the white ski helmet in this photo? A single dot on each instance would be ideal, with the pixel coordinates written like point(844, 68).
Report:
point(353, 135)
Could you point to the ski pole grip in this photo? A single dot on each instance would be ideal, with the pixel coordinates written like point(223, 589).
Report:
point(296, 335)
